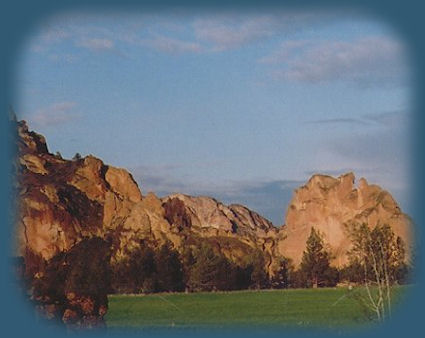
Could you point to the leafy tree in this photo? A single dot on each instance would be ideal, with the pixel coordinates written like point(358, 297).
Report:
point(315, 261)
point(382, 257)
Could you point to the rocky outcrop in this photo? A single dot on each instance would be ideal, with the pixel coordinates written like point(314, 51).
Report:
point(234, 230)
point(330, 205)
point(61, 204)
point(64, 204)
point(207, 213)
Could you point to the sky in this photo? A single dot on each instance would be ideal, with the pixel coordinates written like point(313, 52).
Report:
point(237, 105)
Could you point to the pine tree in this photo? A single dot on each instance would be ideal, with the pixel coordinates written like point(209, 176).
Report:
point(281, 277)
point(315, 260)
point(169, 270)
point(258, 275)
point(210, 271)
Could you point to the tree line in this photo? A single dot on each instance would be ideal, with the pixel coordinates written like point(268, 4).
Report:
point(147, 269)
point(377, 257)
point(377, 261)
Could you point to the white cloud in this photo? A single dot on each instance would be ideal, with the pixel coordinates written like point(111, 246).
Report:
point(228, 32)
point(367, 61)
point(54, 35)
point(56, 113)
point(285, 51)
point(171, 45)
point(48, 37)
point(99, 44)
point(67, 58)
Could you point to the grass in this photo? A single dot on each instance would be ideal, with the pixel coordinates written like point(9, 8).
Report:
point(327, 308)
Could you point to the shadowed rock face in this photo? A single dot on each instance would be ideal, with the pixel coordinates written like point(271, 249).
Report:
point(330, 204)
point(72, 287)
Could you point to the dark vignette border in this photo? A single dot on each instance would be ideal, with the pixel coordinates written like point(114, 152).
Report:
point(18, 18)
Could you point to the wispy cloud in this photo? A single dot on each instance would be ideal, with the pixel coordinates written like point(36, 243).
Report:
point(54, 35)
point(97, 44)
point(389, 119)
point(212, 32)
point(226, 32)
point(171, 45)
point(55, 114)
point(285, 51)
point(66, 57)
point(48, 37)
point(366, 61)
point(338, 121)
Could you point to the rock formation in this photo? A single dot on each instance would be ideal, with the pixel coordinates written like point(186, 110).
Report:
point(64, 202)
point(68, 205)
point(235, 230)
point(330, 205)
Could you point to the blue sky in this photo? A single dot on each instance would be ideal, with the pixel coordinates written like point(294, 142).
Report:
point(241, 106)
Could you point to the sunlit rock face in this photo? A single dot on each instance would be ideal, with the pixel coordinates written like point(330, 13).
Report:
point(63, 203)
point(234, 229)
point(330, 204)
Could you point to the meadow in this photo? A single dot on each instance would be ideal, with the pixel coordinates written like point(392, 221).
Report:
point(327, 308)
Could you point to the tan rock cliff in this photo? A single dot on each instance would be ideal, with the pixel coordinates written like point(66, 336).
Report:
point(329, 204)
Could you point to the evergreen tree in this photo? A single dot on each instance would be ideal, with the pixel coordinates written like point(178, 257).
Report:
point(135, 273)
point(315, 261)
point(258, 275)
point(169, 269)
point(77, 157)
point(188, 260)
point(281, 277)
point(210, 271)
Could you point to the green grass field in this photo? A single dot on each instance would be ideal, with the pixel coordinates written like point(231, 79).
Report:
point(328, 308)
